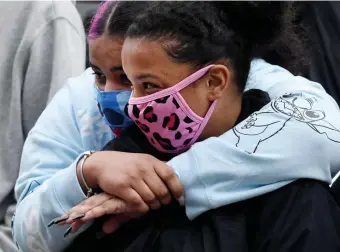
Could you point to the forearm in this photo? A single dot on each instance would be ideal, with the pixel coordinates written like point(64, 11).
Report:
point(50, 200)
point(251, 160)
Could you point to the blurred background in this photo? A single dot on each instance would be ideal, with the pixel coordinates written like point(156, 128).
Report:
point(321, 19)
point(86, 10)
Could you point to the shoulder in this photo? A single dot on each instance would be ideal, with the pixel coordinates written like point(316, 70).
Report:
point(73, 112)
point(278, 81)
point(81, 88)
point(77, 93)
point(85, 110)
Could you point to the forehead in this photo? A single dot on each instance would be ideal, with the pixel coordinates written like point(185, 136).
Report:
point(106, 51)
point(142, 55)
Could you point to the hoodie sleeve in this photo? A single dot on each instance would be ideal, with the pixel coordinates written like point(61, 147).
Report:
point(47, 185)
point(296, 136)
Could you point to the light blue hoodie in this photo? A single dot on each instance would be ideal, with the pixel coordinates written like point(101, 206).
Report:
point(295, 136)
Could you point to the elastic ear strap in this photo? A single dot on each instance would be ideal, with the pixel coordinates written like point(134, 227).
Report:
point(192, 78)
point(179, 86)
point(204, 122)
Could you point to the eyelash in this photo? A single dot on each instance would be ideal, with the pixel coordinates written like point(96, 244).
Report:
point(153, 86)
point(100, 77)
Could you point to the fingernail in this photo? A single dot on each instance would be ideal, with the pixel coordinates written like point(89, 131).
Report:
point(57, 220)
point(79, 216)
point(181, 200)
point(68, 231)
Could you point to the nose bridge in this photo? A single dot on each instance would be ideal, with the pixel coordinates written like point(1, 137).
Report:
point(112, 85)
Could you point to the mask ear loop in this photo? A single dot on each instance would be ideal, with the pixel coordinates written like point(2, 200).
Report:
point(204, 122)
point(169, 91)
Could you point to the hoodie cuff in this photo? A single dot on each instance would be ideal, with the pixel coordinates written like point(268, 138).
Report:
point(67, 188)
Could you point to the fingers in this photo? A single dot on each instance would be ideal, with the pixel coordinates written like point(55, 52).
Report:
point(146, 194)
point(170, 178)
point(158, 187)
point(111, 225)
point(130, 196)
point(112, 206)
point(90, 203)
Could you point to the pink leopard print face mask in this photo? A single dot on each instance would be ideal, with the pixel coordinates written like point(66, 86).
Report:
point(166, 119)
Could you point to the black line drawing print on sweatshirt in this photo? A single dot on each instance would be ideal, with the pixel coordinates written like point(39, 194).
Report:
point(260, 126)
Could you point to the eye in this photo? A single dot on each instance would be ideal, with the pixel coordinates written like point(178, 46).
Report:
point(100, 78)
point(148, 85)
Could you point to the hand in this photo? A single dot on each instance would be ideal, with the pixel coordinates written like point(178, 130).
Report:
point(98, 206)
point(138, 179)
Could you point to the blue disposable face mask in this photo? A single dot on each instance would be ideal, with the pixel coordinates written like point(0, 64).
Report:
point(112, 105)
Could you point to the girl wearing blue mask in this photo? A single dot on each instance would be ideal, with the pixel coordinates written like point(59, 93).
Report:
point(51, 181)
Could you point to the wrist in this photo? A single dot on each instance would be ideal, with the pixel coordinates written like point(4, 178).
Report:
point(90, 172)
point(87, 173)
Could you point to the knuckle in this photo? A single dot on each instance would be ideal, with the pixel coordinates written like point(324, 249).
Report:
point(132, 198)
point(163, 192)
point(169, 175)
point(143, 170)
point(150, 199)
point(155, 206)
point(122, 183)
point(133, 177)
point(166, 200)
point(135, 200)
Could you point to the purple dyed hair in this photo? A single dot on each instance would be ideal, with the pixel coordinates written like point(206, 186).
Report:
point(98, 20)
point(114, 17)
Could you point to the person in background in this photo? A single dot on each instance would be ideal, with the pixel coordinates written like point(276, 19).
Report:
point(42, 45)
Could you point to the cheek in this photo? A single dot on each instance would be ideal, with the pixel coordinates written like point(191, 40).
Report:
point(197, 100)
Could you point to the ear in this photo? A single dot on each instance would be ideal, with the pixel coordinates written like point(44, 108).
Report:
point(218, 81)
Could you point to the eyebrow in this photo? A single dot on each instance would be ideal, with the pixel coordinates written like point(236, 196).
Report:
point(112, 69)
point(145, 76)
